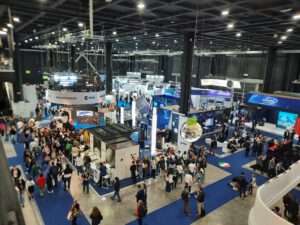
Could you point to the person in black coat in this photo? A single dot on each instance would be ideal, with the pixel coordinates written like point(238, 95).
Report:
point(133, 172)
point(140, 195)
point(96, 216)
point(243, 185)
point(49, 183)
point(117, 189)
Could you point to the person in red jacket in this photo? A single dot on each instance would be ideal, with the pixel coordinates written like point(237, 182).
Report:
point(41, 182)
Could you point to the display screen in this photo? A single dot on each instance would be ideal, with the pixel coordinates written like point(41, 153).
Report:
point(163, 118)
point(286, 119)
point(142, 105)
point(84, 113)
point(209, 122)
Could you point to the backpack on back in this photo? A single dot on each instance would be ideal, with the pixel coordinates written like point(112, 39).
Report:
point(143, 210)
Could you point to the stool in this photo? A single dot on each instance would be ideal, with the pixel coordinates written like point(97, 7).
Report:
point(105, 182)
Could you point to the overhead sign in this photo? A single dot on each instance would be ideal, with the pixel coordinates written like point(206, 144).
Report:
point(274, 101)
point(221, 83)
point(213, 93)
point(74, 98)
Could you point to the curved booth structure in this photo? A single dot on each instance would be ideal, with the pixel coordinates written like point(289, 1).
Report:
point(270, 193)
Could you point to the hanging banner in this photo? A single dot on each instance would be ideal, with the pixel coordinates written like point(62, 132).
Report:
point(183, 146)
point(74, 98)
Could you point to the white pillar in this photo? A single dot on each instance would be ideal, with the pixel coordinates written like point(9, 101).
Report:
point(153, 132)
point(91, 17)
point(133, 113)
point(122, 115)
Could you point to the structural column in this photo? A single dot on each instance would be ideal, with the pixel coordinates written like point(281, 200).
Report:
point(292, 72)
point(269, 73)
point(186, 72)
point(72, 58)
point(108, 60)
point(167, 65)
point(18, 88)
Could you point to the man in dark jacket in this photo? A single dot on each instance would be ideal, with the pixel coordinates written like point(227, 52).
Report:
point(54, 173)
point(133, 172)
point(243, 185)
point(140, 195)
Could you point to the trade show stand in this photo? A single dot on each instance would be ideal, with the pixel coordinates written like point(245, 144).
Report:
point(112, 146)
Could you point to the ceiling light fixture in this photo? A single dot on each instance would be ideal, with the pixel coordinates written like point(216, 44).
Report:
point(289, 30)
point(141, 6)
point(9, 25)
point(4, 29)
point(296, 16)
point(238, 34)
point(279, 42)
point(134, 37)
point(16, 19)
point(36, 38)
point(3, 32)
point(153, 42)
point(285, 10)
point(156, 35)
point(114, 32)
point(275, 36)
point(230, 25)
point(25, 41)
point(49, 43)
point(53, 32)
point(30, 39)
point(175, 41)
point(65, 29)
point(117, 40)
point(283, 37)
point(210, 42)
point(225, 13)
point(80, 24)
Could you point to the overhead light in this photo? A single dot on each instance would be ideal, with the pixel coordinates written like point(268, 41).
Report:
point(279, 42)
point(53, 32)
point(30, 39)
point(117, 40)
point(289, 30)
point(238, 34)
point(4, 29)
point(275, 36)
point(225, 13)
point(82, 38)
point(25, 41)
point(78, 48)
point(2, 32)
point(65, 29)
point(172, 21)
point(63, 41)
point(134, 37)
point(153, 42)
point(16, 19)
point(80, 24)
point(108, 0)
point(248, 49)
point(74, 45)
point(114, 32)
point(175, 41)
point(141, 6)
point(296, 16)
point(285, 10)
point(55, 42)
point(230, 25)
point(156, 35)
point(91, 43)
point(283, 37)
point(9, 25)
point(136, 43)
point(166, 45)
point(210, 42)
point(49, 43)
point(36, 38)
point(81, 43)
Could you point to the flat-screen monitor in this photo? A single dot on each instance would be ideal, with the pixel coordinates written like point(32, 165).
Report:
point(84, 113)
point(209, 122)
point(211, 101)
point(142, 105)
point(286, 119)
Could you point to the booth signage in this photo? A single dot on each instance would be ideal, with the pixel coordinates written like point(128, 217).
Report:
point(216, 93)
point(74, 98)
point(274, 101)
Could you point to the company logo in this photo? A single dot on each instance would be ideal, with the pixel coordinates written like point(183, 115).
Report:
point(86, 97)
point(269, 100)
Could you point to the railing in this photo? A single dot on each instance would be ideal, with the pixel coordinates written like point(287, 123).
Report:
point(10, 210)
point(270, 193)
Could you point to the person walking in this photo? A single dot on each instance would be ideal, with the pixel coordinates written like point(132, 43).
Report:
point(74, 212)
point(252, 183)
point(54, 172)
point(247, 147)
point(133, 172)
point(67, 174)
point(188, 179)
point(20, 188)
point(243, 185)
point(85, 176)
point(41, 182)
point(185, 196)
point(49, 181)
point(117, 189)
point(30, 187)
point(96, 216)
point(153, 168)
point(200, 200)
point(140, 194)
point(213, 146)
point(169, 181)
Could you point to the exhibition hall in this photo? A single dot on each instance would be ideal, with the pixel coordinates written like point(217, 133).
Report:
point(149, 112)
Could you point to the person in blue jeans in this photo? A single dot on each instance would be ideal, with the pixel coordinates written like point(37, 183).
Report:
point(117, 189)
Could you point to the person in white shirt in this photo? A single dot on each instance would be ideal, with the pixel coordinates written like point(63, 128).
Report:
point(180, 171)
point(192, 167)
point(188, 179)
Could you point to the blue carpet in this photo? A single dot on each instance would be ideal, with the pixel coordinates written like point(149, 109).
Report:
point(54, 208)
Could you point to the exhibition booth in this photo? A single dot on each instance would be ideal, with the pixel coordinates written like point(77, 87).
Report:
point(112, 146)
